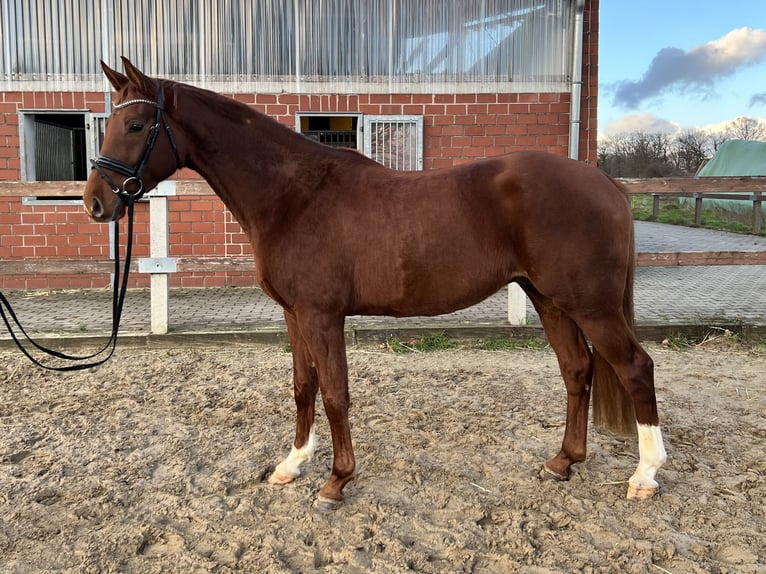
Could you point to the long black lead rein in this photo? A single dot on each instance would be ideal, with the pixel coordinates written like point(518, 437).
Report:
point(118, 299)
point(133, 175)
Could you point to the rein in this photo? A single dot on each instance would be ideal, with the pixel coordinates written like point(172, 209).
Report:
point(133, 174)
point(117, 303)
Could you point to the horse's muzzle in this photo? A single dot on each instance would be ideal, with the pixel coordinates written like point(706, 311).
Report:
point(99, 212)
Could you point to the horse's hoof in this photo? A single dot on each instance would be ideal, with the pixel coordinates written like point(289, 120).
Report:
point(327, 504)
point(641, 492)
point(280, 479)
point(548, 474)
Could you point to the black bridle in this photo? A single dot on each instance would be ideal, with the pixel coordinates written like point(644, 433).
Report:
point(133, 174)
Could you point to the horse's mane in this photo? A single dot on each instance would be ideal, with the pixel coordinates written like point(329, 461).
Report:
point(228, 107)
point(241, 113)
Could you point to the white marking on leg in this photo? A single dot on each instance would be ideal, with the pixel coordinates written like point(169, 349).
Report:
point(652, 455)
point(290, 468)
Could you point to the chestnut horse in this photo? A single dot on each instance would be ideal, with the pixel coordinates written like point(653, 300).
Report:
point(336, 234)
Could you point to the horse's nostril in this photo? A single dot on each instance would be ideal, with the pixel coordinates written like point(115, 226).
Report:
point(96, 210)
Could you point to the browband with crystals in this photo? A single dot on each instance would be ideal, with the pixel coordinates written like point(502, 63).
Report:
point(131, 102)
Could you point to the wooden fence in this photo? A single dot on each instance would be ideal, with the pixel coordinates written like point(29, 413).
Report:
point(160, 266)
point(741, 188)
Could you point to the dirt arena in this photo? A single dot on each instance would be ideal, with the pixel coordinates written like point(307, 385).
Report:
point(156, 462)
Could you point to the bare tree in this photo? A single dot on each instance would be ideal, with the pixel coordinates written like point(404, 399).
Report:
point(639, 154)
point(717, 138)
point(744, 128)
point(690, 148)
point(642, 154)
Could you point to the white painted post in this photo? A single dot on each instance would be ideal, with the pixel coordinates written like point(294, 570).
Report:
point(158, 247)
point(517, 305)
point(158, 264)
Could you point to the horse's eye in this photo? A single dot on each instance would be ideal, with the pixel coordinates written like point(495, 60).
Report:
point(135, 127)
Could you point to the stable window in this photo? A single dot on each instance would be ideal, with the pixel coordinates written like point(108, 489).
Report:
point(56, 146)
point(395, 141)
point(336, 130)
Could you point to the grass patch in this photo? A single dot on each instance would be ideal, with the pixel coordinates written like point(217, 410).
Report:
point(438, 342)
point(755, 344)
point(758, 347)
point(398, 346)
point(678, 342)
point(510, 344)
point(441, 342)
point(717, 338)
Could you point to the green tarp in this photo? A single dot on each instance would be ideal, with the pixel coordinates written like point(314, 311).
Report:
point(736, 157)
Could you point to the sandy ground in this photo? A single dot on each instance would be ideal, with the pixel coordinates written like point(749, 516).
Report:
point(156, 462)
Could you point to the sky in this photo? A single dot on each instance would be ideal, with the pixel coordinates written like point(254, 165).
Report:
point(669, 65)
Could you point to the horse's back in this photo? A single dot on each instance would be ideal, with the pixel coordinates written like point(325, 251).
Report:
point(446, 239)
point(537, 177)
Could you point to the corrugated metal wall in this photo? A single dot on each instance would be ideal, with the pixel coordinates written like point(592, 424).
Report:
point(303, 46)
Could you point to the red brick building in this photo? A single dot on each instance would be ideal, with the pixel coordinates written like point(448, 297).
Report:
point(447, 85)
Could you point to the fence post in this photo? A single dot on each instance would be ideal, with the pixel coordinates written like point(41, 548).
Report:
point(517, 305)
point(757, 212)
point(158, 264)
point(698, 209)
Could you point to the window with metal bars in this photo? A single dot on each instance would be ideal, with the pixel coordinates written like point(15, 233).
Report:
point(55, 145)
point(394, 141)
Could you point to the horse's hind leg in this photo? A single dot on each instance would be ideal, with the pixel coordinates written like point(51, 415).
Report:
point(575, 363)
point(613, 339)
point(305, 386)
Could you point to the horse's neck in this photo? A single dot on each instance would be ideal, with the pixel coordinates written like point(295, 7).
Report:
point(254, 165)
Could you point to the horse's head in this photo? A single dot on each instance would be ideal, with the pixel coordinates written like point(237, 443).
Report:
point(139, 149)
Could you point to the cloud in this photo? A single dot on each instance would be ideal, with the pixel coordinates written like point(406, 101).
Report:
point(726, 124)
point(650, 124)
point(644, 122)
point(696, 69)
point(758, 99)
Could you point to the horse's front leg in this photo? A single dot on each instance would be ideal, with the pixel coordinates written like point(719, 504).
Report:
point(319, 361)
point(305, 385)
point(324, 337)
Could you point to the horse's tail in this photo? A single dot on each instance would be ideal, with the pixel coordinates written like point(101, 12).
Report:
point(612, 405)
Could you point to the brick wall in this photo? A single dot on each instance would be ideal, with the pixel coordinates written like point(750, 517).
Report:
point(457, 128)
point(45, 232)
point(201, 226)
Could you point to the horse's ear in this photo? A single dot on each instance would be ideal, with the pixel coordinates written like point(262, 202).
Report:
point(144, 83)
point(117, 80)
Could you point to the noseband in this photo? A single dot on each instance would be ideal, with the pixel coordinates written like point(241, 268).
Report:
point(134, 174)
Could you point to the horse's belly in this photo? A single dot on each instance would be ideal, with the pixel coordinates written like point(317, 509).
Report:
point(427, 294)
